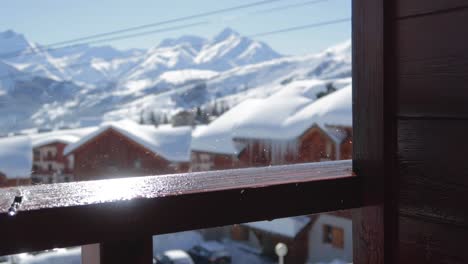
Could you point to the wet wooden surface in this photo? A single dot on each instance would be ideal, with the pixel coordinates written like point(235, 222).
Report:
point(59, 215)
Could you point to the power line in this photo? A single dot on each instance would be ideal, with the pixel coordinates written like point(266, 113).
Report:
point(261, 34)
point(155, 24)
point(285, 7)
point(314, 25)
point(50, 47)
point(144, 33)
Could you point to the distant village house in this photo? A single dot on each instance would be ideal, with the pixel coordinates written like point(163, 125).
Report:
point(125, 149)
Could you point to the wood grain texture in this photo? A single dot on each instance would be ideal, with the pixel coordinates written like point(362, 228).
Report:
point(126, 209)
point(433, 170)
point(425, 242)
point(407, 8)
point(369, 111)
point(433, 65)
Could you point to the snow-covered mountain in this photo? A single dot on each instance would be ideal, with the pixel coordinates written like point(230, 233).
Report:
point(89, 65)
point(51, 87)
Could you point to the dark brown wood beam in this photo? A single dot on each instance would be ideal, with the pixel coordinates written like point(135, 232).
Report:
point(68, 214)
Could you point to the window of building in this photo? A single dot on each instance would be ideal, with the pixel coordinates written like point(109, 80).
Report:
point(333, 235)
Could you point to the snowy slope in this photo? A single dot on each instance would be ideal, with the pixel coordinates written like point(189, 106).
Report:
point(236, 85)
point(182, 73)
point(95, 65)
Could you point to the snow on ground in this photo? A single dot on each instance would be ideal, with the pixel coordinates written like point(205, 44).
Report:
point(182, 76)
point(16, 157)
point(58, 256)
point(181, 240)
point(241, 253)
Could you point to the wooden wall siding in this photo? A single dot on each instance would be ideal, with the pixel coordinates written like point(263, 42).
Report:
point(110, 149)
point(432, 85)
point(434, 170)
point(219, 161)
point(406, 8)
point(432, 54)
point(313, 147)
point(427, 242)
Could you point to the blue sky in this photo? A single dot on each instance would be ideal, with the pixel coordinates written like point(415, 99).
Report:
point(49, 21)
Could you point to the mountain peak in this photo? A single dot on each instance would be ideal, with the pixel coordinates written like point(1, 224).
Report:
point(11, 42)
point(224, 34)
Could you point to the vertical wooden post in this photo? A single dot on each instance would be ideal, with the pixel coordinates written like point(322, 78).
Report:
point(374, 131)
point(135, 251)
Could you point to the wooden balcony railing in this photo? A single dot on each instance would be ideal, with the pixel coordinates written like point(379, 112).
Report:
point(114, 212)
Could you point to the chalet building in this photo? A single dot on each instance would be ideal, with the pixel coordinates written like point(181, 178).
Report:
point(15, 161)
point(264, 235)
point(320, 238)
point(49, 162)
point(331, 238)
point(314, 145)
point(123, 149)
point(254, 134)
point(213, 147)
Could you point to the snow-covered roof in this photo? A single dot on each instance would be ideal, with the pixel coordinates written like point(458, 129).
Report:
point(285, 115)
point(217, 136)
point(333, 109)
point(172, 143)
point(16, 157)
point(288, 227)
point(177, 255)
point(66, 136)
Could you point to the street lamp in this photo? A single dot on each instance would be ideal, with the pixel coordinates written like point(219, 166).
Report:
point(281, 250)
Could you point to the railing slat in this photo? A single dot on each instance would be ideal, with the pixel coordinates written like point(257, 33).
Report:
point(67, 214)
point(137, 251)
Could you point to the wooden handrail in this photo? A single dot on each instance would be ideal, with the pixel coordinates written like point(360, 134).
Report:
point(69, 214)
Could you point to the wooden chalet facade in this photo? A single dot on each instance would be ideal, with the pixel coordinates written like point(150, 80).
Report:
point(114, 153)
point(314, 145)
point(206, 161)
